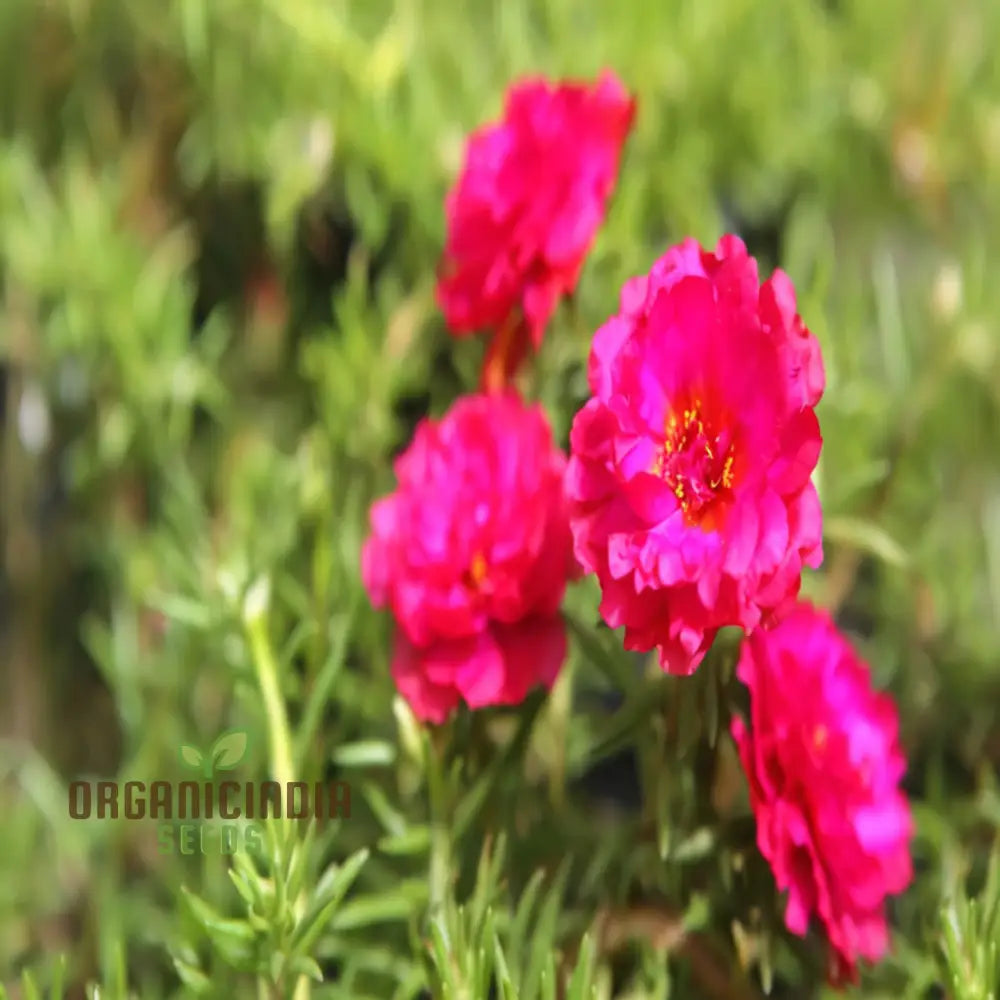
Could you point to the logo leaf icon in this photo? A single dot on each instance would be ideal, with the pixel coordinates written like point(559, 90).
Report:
point(229, 749)
point(191, 757)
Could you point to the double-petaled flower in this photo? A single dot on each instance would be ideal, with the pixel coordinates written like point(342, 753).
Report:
point(822, 756)
point(472, 553)
point(689, 475)
point(525, 209)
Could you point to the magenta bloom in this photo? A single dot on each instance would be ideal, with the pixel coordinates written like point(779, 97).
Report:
point(689, 475)
point(528, 203)
point(824, 765)
point(472, 554)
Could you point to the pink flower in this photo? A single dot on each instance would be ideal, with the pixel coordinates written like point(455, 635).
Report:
point(689, 475)
point(472, 554)
point(528, 203)
point(824, 765)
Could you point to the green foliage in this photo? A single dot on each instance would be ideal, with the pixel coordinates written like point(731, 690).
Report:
point(219, 227)
point(471, 953)
point(971, 940)
point(282, 923)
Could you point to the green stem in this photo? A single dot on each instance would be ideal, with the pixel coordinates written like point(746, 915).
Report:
point(321, 566)
point(279, 739)
point(319, 694)
point(440, 860)
point(560, 701)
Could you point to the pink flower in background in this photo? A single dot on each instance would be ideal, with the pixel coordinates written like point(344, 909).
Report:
point(689, 476)
point(472, 554)
point(527, 205)
point(822, 757)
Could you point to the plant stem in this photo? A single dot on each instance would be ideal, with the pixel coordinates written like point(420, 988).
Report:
point(560, 701)
point(321, 566)
point(440, 838)
point(319, 693)
point(279, 738)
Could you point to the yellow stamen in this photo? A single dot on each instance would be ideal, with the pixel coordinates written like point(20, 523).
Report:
point(478, 568)
point(684, 435)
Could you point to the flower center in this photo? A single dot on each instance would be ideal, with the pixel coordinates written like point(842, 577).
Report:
point(696, 461)
point(477, 571)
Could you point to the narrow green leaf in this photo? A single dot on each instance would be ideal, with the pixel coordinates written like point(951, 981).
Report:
point(365, 753)
point(518, 932)
point(29, 987)
point(119, 973)
point(580, 983)
point(386, 908)
point(485, 955)
point(303, 965)
point(416, 840)
point(547, 982)
point(391, 819)
point(698, 845)
point(298, 862)
point(57, 987)
point(194, 979)
point(212, 921)
point(441, 955)
point(766, 962)
point(866, 537)
point(698, 913)
point(276, 966)
point(329, 893)
point(242, 887)
point(620, 730)
point(233, 939)
point(319, 696)
point(181, 609)
point(488, 876)
point(261, 889)
point(508, 991)
point(543, 937)
point(616, 666)
point(300, 635)
point(471, 803)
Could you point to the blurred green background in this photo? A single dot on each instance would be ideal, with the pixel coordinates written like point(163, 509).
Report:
point(219, 227)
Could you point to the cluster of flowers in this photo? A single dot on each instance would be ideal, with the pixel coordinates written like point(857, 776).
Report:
point(687, 492)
